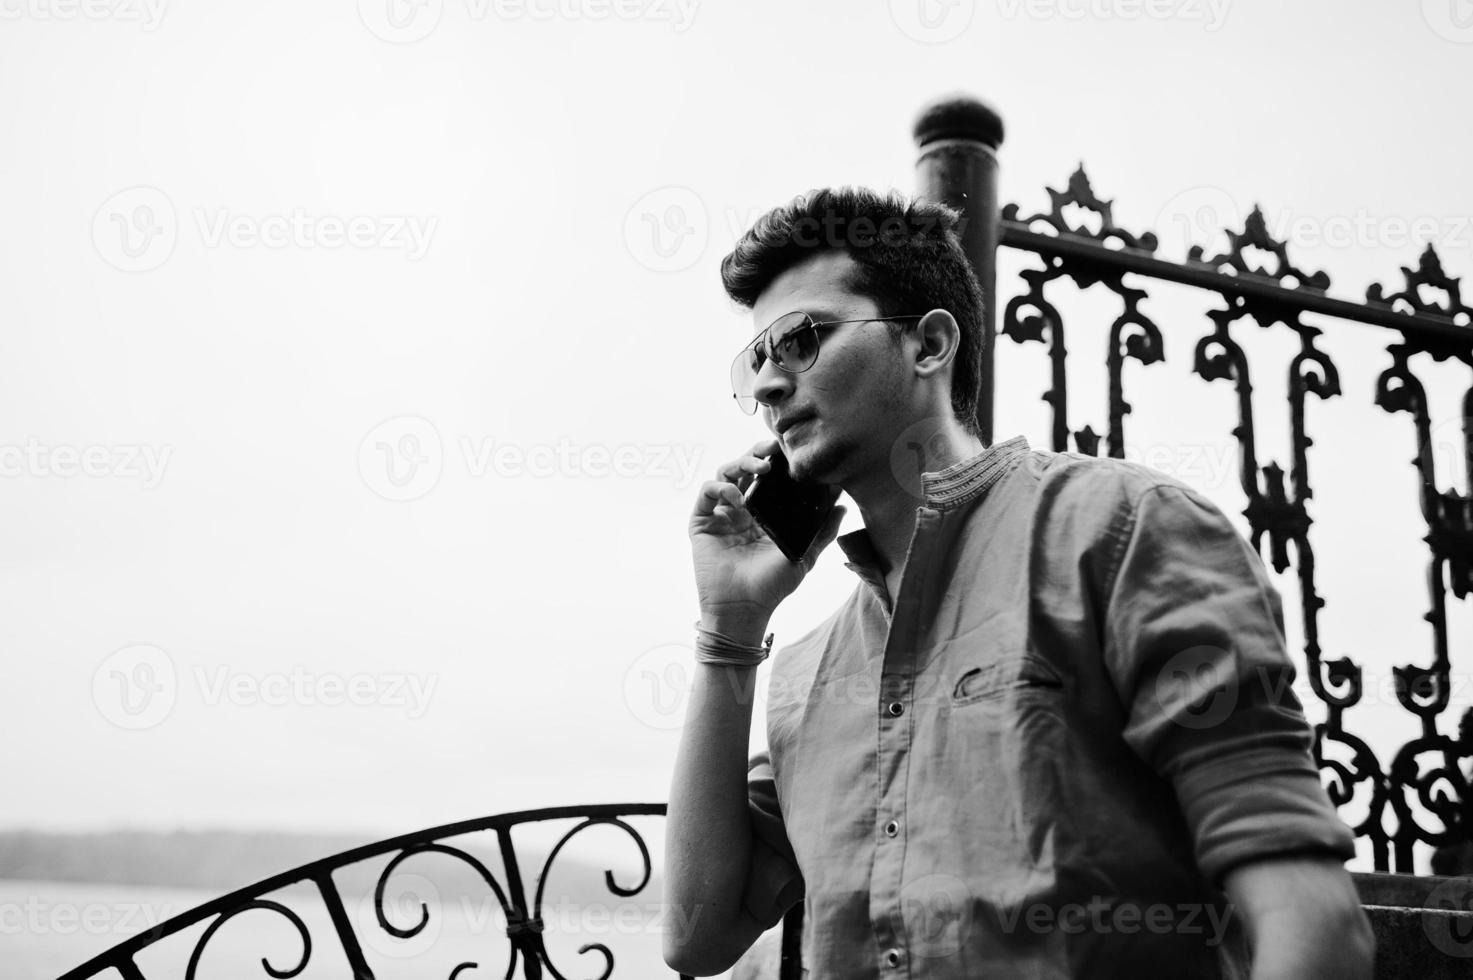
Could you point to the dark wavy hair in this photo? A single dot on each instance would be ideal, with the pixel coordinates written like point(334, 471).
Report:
point(908, 258)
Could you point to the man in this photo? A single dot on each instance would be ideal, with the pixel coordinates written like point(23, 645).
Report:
point(1052, 724)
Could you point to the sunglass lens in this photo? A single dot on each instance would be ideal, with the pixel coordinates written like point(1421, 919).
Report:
point(744, 379)
point(793, 341)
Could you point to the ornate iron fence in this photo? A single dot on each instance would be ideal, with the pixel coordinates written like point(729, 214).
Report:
point(523, 920)
point(958, 139)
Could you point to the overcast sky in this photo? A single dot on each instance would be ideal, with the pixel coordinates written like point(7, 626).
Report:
point(359, 363)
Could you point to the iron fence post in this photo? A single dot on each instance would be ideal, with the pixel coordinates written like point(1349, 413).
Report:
point(957, 139)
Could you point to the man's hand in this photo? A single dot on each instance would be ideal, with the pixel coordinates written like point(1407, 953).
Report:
point(741, 575)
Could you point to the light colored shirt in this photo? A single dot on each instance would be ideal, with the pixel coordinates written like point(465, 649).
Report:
point(1042, 756)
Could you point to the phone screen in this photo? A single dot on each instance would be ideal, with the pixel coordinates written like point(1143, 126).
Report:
point(792, 512)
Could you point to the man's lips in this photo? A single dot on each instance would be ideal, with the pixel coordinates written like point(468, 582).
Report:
point(787, 422)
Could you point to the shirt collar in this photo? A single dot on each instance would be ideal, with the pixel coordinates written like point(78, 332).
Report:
point(946, 489)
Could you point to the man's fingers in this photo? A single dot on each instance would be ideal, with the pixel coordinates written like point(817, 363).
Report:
point(713, 493)
point(764, 448)
point(742, 469)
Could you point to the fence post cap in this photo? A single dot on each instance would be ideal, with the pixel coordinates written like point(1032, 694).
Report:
point(959, 116)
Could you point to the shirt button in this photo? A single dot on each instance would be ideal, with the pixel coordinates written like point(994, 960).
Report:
point(892, 957)
point(892, 828)
point(895, 708)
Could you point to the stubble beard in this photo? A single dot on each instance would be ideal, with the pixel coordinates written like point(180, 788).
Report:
point(824, 461)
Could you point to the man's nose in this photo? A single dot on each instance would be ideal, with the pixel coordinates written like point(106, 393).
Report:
point(773, 384)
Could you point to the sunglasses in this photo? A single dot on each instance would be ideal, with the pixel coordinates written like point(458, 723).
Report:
point(791, 342)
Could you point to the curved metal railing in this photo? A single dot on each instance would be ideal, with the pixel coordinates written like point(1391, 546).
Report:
point(524, 921)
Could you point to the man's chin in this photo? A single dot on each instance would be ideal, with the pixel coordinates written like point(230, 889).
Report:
point(814, 461)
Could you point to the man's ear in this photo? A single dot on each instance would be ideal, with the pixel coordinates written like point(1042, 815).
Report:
point(939, 338)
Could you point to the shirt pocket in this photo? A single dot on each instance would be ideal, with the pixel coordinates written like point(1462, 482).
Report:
point(1017, 675)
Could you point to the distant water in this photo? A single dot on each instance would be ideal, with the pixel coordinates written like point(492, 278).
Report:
point(47, 928)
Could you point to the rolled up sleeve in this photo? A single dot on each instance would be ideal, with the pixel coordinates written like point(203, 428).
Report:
point(774, 883)
point(1194, 644)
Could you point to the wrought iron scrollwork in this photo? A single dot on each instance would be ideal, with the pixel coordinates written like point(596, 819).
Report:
point(524, 925)
point(1133, 335)
point(1432, 318)
point(1255, 234)
point(402, 932)
point(269, 906)
point(1426, 690)
point(1078, 193)
point(1429, 273)
point(609, 881)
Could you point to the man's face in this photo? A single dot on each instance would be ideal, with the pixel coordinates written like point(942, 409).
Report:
point(836, 420)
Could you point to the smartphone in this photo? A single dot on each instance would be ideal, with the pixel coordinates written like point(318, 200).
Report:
point(792, 512)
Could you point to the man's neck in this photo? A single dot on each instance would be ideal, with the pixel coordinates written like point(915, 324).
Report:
point(888, 500)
